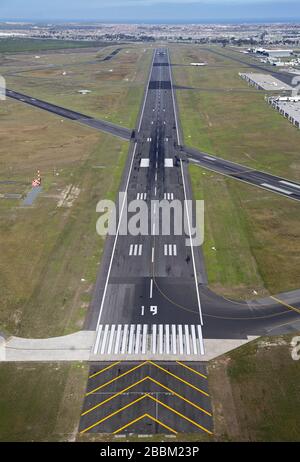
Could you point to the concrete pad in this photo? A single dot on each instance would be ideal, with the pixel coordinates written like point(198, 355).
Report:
point(74, 347)
point(212, 347)
point(78, 347)
point(31, 196)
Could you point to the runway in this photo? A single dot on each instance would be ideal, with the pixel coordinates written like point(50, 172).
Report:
point(98, 124)
point(271, 183)
point(142, 275)
point(152, 290)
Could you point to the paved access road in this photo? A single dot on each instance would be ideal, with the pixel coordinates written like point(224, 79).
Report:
point(271, 183)
point(98, 124)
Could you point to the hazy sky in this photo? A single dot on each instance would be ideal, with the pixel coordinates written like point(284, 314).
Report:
point(147, 10)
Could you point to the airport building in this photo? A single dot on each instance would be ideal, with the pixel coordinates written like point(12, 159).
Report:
point(289, 107)
point(273, 53)
point(265, 82)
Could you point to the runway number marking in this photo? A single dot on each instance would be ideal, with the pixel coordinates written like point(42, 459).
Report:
point(153, 310)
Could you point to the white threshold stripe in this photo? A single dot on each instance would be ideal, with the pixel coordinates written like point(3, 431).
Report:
point(167, 339)
point(174, 345)
point(131, 333)
point(154, 339)
point(275, 188)
point(113, 251)
point(180, 339)
point(104, 339)
point(124, 340)
point(137, 339)
point(292, 185)
point(193, 331)
point(187, 339)
point(200, 340)
point(118, 338)
point(163, 339)
point(111, 338)
point(144, 345)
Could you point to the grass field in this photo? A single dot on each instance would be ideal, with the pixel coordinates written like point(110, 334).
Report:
point(46, 251)
point(19, 45)
point(116, 85)
point(252, 230)
point(259, 396)
point(41, 402)
point(229, 119)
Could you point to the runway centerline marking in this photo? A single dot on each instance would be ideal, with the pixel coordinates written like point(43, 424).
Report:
point(151, 288)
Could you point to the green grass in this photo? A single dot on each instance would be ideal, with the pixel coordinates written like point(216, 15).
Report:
point(17, 45)
point(41, 402)
point(116, 86)
point(259, 399)
point(226, 118)
point(253, 231)
point(45, 250)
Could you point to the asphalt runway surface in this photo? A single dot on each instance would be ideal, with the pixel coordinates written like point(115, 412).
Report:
point(153, 279)
point(271, 183)
point(98, 124)
point(145, 282)
point(146, 398)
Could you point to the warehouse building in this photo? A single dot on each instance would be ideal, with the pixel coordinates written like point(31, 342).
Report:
point(289, 107)
point(265, 82)
point(273, 53)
